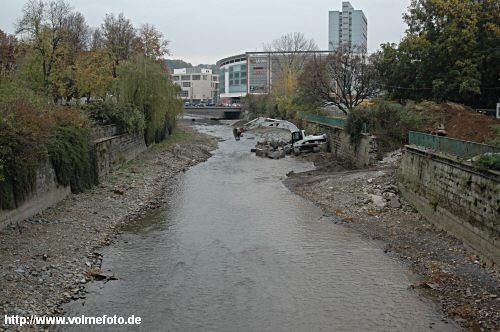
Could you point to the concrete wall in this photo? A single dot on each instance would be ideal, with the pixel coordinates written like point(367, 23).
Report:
point(362, 155)
point(112, 152)
point(456, 197)
point(47, 193)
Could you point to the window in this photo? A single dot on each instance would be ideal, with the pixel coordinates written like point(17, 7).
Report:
point(176, 77)
point(186, 84)
point(204, 77)
point(184, 93)
point(185, 78)
point(215, 78)
point(195, 77)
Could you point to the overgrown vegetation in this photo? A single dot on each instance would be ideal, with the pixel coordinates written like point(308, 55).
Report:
point(30, 128)
point(489, 161)
point(59, 60)
point(127, 117)
point(389, 121)
point(145, 84)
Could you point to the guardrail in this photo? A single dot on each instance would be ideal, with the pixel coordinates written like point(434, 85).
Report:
point(459, 148)
point(338, 122)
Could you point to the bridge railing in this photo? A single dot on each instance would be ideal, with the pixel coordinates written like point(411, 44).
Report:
point(459, 148)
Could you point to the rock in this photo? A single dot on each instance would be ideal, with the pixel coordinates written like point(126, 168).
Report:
point(395, 203)
point(276, 154)
point(370, 180)
point(118, 191)
point(20, 270)
point(388, 195)
point(259, 152)
point(378, 201)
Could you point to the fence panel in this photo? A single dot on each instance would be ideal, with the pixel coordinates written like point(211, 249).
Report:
point(452, 146)
point(338, 122)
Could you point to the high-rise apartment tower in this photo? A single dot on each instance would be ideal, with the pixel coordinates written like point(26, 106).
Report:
point(347, 28)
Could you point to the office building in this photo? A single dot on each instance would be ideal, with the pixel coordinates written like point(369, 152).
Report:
point(347, 28)
point(197, 84)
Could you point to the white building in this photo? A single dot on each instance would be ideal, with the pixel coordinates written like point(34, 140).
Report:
point(197, 84)
point(348, 28)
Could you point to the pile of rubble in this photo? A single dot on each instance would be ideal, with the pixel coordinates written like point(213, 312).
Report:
point(381, 195)
point(274, 145)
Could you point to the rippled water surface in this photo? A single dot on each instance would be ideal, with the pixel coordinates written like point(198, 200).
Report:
point(234, 250)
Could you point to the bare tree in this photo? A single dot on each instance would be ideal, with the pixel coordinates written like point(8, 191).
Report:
point(151, 43)
point(344, 78)
point(291, 52)
point(44, 25)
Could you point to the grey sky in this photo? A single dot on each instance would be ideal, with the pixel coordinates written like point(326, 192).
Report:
point(204, 31)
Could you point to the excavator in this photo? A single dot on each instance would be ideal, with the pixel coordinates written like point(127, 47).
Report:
point(299, 140)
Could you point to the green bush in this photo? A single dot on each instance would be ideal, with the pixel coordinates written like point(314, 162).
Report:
point(32, 129)
point(489, 161)
point(70, 155)
point(127, 117)
point(389, 121)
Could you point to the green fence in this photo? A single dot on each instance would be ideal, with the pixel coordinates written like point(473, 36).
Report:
point(338, 122)
point(464, 149)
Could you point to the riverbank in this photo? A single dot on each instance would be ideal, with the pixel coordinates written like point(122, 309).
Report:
point(48, 259)
point(368, 201)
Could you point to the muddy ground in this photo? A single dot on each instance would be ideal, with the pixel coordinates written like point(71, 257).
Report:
point(368, 200)
point(47, 260)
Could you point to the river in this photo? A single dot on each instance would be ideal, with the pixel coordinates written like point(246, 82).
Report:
point(235, 250)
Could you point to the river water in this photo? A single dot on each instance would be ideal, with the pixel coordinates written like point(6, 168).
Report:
point(235, 250)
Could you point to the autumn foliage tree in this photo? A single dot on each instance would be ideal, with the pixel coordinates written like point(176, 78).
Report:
point(450, 52)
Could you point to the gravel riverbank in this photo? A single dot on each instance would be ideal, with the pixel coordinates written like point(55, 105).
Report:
point(47, 260)
point(368, 201)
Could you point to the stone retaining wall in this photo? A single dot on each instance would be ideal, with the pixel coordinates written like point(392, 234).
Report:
point(47, 193)
point(110, 153)
point(454, 196)
point(362, 155)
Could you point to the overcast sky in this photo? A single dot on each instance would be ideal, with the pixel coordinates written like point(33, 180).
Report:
point(204, 31)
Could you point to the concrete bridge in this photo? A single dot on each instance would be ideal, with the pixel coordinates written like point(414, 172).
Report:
point(227, 113)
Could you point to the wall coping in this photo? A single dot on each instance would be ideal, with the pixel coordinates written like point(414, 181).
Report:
point(454, 161)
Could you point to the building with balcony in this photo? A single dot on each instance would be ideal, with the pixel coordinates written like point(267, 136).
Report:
point(347, 28)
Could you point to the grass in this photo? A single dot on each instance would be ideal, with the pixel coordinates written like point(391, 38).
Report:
point(137, 167)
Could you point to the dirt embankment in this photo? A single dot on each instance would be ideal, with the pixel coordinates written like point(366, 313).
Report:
point(461, 122)
point(48, 259)
point(368, 201)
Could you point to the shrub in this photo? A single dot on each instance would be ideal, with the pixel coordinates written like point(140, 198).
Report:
point(31, 130)
point(489, 161)
point(127, 117)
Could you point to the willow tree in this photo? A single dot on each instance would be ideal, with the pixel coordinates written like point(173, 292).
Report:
point(145, 83)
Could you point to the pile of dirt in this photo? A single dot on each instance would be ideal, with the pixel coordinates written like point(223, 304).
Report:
point(462, 122)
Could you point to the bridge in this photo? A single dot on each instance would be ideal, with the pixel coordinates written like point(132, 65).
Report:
point(227, 113)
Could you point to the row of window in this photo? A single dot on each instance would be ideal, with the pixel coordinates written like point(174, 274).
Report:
point(193, 78)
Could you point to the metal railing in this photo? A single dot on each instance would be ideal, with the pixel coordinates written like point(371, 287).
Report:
point(459, 148)
point(338, 122)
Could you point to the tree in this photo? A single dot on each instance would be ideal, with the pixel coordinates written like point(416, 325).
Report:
point(94, 73)
point(145, 83)
point(450, 52)
point(344, 78)
point(118, 36)
point(291, 50)
point(151, 43)
point(7, 54)
point(44, 25)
